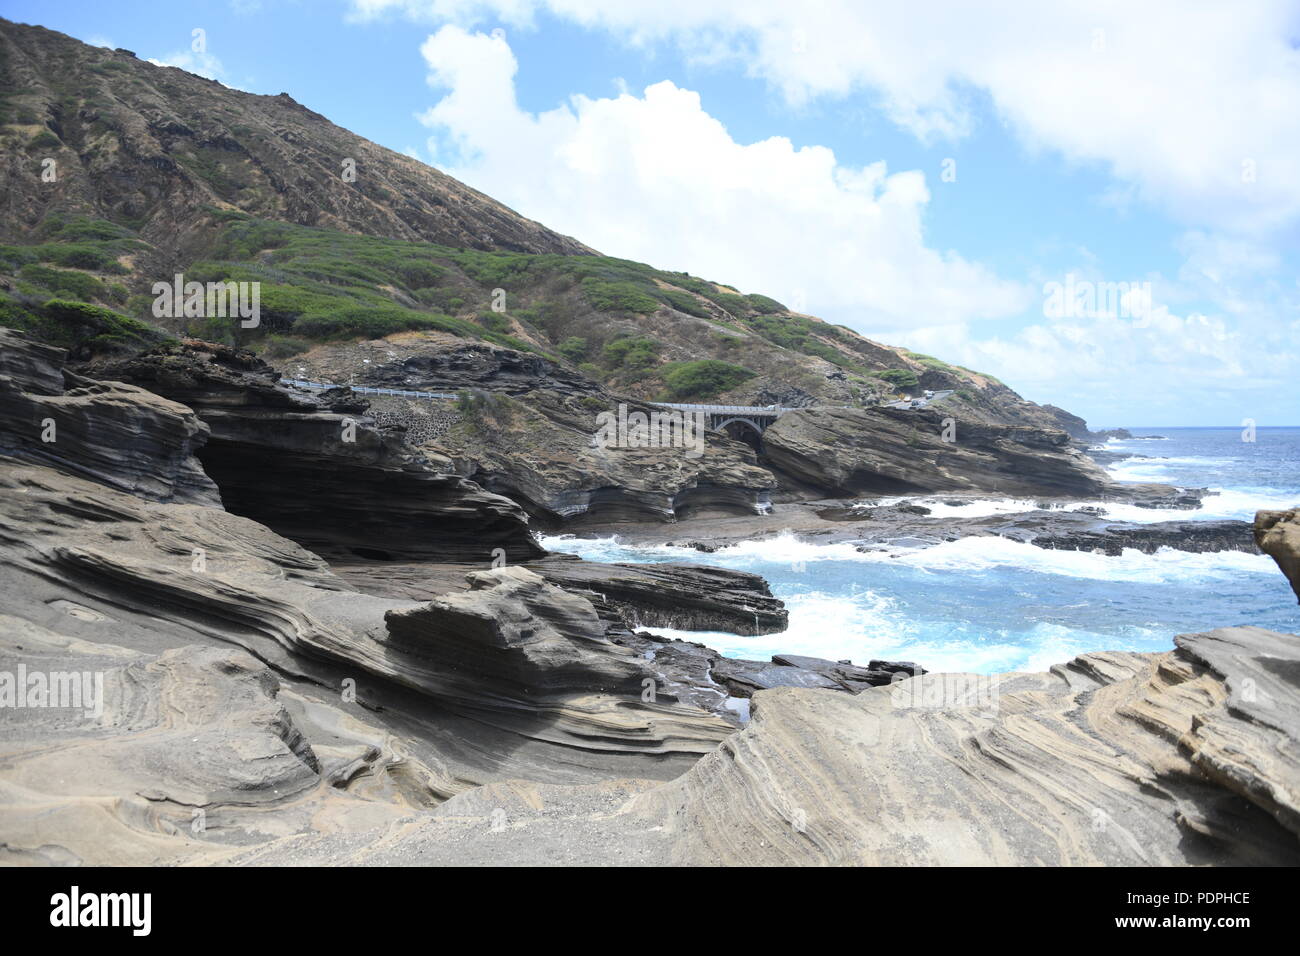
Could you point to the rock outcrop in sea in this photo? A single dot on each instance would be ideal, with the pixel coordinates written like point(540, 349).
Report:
point(882, 451)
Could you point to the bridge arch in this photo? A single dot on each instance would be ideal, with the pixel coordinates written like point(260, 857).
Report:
point(722, 425)
point(741, 429)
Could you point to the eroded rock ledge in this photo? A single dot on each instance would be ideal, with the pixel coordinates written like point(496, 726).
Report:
point(685, 596)
point(853, 451)
point(315, 469)
point(112, 433)
point(1278, 535)
point(1182, 758)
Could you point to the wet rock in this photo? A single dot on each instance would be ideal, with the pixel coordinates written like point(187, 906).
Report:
point(684, 596)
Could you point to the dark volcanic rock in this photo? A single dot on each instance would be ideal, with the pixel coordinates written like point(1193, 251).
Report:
point(744, 678)
point(478, 365)
point(1152, 495)
point(325, 477)
point(1072, 531)
point(1196, 536)
point(684, 596)
point(846, 451)
point(1071, 424)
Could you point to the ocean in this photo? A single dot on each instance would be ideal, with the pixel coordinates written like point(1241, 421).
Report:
point(988, 605)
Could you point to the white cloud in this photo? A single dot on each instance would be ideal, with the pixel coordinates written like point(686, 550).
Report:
point(1193, 105)
point(1162, 367)
point(202, 64)
point(656, 178)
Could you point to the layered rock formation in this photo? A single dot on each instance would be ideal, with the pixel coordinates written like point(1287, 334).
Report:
point(1115, 759)
point(548, 693)
point(520, 654)
point(314, 468)
point(685, 596)
point(185, 573)
point(189, 754)
point(847, 451)
point(116, 434)
point(514, 722)
point(1278, 535)
point(1181, 758)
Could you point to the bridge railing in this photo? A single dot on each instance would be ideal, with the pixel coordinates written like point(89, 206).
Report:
point(368, 390)
point(752, 410)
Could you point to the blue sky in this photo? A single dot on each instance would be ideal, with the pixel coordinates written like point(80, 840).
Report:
point(802, 155)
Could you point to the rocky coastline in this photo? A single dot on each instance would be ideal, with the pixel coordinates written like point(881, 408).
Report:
point(319, 687)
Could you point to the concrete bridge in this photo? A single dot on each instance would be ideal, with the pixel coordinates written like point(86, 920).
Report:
point(734, 419)
point(745, 422)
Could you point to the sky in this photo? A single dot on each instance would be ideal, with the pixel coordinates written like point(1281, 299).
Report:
point(1098, 203)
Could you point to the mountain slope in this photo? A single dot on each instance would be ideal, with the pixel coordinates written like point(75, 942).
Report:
point(161, 172)
point(153, 147)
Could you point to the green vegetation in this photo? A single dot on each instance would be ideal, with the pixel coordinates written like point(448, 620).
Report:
point(283, 346)
point(617, 296)
point(631, 353)
point(64, 283)
point(319, 284)
point(801, 334)
point(483, 411)
point(494, 321)
point(929, 361)
point(763, 305)
point(898, 377)
point(573, 348)
point(81, 328)
point(684, 302)
point(89, 244)
point(44, 140)
point(702, 379)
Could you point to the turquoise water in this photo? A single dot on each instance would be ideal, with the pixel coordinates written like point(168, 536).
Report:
point(986, 605)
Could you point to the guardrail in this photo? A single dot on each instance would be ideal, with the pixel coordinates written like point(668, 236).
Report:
point(772, 410)
point(368, 390)
point(758, 410)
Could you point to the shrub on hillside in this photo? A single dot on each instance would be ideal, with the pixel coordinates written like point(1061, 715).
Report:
point(618, 296)
point(898, 377)
point(703, 378)
point(631, 353)
point(573, 348)
point(82, 329)
point(764, 305)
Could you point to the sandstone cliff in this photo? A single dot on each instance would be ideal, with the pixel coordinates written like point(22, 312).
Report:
point(1278, 534)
